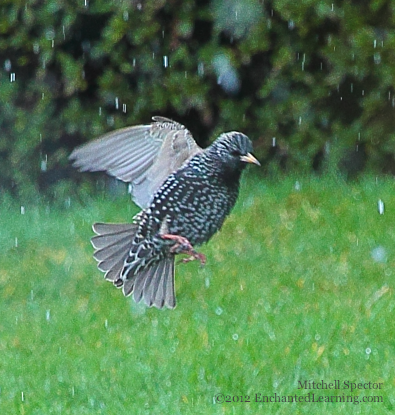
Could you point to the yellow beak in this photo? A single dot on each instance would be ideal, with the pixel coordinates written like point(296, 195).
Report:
point(249, 158)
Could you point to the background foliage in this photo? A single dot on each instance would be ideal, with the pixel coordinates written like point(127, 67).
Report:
point(316, 75)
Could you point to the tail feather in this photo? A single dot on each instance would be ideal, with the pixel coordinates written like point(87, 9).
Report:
point(107, 241)
point(112, 245)
point(155, 284)
point(163, 287)
point(139, 281)
point(110, 251)
point(113, 228)
point(150, 283)
point(128, 286)
point(115, 262)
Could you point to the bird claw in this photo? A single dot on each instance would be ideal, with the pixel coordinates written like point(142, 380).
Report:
point(194, 255)
point(183, 246)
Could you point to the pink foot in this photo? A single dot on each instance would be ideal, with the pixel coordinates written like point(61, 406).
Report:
point(183, 246)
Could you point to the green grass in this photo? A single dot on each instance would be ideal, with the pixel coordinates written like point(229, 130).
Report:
point(298, 285)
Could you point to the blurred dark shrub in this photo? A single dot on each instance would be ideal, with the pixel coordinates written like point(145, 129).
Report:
point(314, 77)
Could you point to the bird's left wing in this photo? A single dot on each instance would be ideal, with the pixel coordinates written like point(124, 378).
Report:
point(143, 155)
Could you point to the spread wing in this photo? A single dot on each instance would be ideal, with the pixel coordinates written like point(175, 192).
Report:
point(143, 155)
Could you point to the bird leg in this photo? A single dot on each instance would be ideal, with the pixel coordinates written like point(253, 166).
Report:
point(183, 246)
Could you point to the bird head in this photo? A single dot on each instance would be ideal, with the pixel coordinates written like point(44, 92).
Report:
point(234, 151)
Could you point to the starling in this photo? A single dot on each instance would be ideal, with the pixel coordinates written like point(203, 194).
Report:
point(185, 194)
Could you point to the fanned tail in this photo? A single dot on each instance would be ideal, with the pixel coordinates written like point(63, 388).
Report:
point(153, 282)
point(112, 245)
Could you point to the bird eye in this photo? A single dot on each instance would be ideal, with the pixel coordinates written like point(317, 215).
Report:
point(235, 153)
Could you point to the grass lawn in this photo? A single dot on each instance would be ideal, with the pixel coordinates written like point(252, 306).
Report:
point(298, 286)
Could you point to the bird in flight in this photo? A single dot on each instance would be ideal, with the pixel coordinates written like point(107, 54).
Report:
point(185, 194)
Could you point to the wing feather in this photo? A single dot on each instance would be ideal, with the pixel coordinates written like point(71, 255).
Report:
point(143, 155)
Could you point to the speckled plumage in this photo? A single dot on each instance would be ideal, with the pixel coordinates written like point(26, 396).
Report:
point(187, 209)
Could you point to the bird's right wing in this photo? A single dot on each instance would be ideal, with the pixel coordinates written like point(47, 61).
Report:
point(143, 155)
